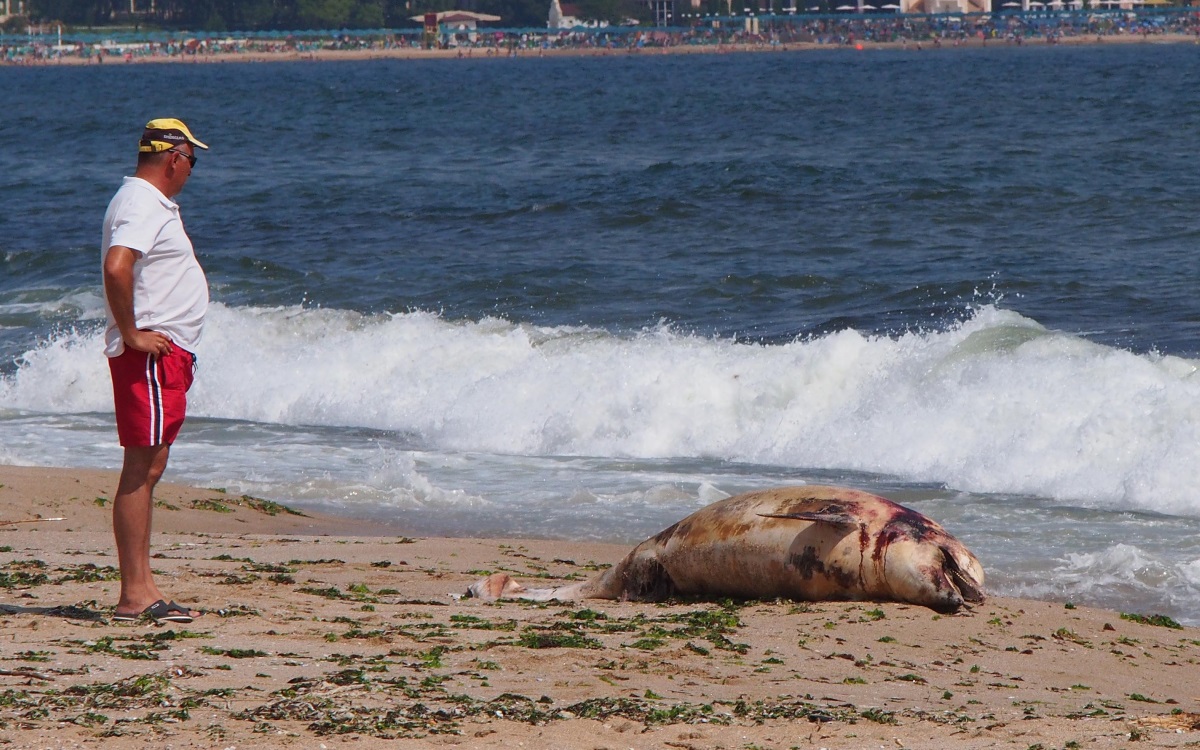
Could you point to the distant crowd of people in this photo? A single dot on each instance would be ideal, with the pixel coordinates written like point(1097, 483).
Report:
point(1013, 28)
point(932, 30)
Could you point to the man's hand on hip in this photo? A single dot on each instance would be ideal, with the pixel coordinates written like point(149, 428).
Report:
point(155, 343)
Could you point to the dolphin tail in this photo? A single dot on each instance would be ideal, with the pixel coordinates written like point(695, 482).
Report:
point(608, 585)
point(504, 586)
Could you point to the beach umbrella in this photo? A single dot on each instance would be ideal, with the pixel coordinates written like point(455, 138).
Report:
point(890, 6)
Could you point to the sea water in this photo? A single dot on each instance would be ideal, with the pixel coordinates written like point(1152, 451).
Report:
point(580, 298)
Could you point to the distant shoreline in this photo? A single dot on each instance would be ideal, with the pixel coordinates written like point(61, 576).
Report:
point(410, 53)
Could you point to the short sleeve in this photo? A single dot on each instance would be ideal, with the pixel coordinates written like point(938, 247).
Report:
point(135, 227)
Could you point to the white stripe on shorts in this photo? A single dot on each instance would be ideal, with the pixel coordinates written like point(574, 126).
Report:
point(156, 404)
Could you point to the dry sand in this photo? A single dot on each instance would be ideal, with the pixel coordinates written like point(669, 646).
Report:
point(328, 633)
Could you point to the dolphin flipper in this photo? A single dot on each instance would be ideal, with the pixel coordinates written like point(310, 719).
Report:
point(837, 519)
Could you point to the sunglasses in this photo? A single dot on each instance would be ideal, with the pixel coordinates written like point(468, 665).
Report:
point(190, 157)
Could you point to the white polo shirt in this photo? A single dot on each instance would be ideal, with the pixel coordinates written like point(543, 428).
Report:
point(170, 292)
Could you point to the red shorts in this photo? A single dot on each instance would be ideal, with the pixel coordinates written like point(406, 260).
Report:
point(150, 395)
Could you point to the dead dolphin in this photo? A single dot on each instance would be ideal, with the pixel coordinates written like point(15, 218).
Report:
point(802, 543)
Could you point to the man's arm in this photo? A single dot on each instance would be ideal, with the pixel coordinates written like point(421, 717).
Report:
point(118, 288)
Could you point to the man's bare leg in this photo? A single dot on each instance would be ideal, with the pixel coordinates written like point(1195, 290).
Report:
point(132, 511)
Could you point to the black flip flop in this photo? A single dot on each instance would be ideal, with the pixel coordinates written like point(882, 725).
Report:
point(160, 611)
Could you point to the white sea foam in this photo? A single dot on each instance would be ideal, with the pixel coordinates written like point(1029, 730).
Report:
point(1121, 576)
point(997, 404)
point(50, 304)
point(490, 427)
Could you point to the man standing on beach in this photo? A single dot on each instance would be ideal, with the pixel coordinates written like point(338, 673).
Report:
point(156, 296)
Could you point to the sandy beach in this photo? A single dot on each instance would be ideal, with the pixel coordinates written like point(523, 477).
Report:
point(414, 53)
point(323, 632)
